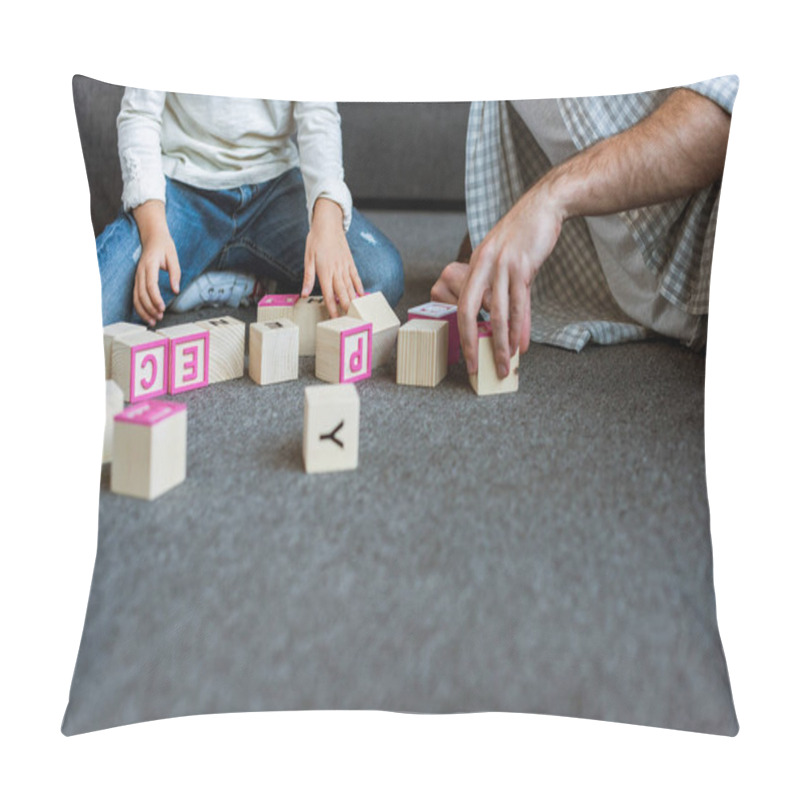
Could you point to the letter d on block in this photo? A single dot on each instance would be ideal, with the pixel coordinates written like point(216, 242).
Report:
point(355, 348)
point(357, 357)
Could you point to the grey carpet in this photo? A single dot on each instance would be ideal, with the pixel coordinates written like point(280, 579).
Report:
point(546, 551)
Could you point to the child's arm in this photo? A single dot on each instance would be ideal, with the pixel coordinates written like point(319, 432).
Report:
point(143, 194)
point(328, 257)
point(158, 252)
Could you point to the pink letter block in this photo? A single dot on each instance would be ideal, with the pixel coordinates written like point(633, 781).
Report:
point(355, 347)
point(448, 313)
point(149, 455)
point(188, 357)
point(344, 350)
point(276, 306)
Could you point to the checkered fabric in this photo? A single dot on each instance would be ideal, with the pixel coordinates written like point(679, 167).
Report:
point(571, 303)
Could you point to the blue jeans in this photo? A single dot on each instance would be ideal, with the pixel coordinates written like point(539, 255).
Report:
point(257, 229)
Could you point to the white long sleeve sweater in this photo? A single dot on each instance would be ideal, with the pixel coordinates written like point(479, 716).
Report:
point(224, 142)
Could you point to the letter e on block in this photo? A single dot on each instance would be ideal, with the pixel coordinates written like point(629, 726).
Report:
point(188, 357)
point(330, 429)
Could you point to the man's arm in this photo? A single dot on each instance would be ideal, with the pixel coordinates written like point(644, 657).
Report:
point(679, 149)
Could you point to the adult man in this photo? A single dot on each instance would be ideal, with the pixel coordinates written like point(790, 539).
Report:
point(612, 243)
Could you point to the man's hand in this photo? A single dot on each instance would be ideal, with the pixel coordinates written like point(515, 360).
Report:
point(676, 151)
point(329, 260)
point(158, 252)
point(501, 271)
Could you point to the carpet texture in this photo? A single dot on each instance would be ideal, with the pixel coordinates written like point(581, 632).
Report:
point(546, 551)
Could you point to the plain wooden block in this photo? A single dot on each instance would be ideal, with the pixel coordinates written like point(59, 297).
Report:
point(276, 306)
point(330, 428)
point(149, 449)
point(225, 348)
point(188, 357)
point(274, 347)
point(375, 308)
point(422, 352)
point(344, 350)
point(308, 312)
point(139, 365)
point(111, 332)
point(114, 404)
point(447, 312)
point(486, 380)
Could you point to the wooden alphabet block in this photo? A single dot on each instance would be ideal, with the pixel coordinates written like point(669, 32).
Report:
point(225, 348)
point(188, 357)
point(274, 347)
point(139, 365)
point(422, 352)
point(486, 380)
point(308, 312)
point(447, 312)
point(344, 350)
point(111, 332)
point(330, 428)
point(114, 404)
point(149, 449)
point(375, 308)
point(276, 306)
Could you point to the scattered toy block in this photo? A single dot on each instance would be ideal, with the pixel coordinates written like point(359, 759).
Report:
point(111, 332)
point(486, 380)
point(226, 337)
point(308, 312)
point(422, 352)
point(188, 356)
point(139, 365)
point(375, 308)
point(447, 312)
point(330, 428)
point(344, 350)
point(114, 404)
point(274, 349)
point(149, 455)
point(276, 306)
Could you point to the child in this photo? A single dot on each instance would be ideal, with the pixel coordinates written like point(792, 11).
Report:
point(217, 201)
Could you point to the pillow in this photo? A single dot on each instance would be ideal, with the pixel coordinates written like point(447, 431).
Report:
point(543, 551)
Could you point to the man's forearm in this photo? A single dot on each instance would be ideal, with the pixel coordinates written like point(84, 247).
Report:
point(678, 150)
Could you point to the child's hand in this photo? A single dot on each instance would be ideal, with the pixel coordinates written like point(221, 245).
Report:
point(158, 252)
point(328, 258)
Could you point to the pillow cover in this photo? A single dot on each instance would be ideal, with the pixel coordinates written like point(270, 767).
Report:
point(545, 551)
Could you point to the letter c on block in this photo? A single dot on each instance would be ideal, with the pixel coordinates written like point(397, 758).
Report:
point(149, 361)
